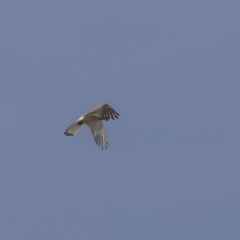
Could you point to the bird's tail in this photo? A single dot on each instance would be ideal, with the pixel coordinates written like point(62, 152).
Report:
point(72, 129)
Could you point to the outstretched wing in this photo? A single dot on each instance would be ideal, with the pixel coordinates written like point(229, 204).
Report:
point(99, 133)
point(72, 129)
point(104, 112)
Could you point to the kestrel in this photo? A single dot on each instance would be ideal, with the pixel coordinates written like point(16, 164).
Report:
point(94, 119)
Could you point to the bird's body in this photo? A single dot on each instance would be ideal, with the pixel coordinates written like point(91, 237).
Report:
point(94, 119)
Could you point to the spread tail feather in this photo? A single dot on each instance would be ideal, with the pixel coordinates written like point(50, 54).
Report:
point(72, 129)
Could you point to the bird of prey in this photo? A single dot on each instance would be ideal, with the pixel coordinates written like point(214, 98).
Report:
point(94, 119)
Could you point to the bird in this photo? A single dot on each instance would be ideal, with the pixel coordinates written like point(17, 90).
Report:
point(94, 119)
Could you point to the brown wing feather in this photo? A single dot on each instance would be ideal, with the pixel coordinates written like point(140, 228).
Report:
point(104, 111)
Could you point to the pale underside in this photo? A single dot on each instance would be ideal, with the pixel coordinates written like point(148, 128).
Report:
point(94, 119)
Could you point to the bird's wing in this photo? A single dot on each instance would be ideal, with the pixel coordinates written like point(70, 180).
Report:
point(99, 133)
point(72, 129)
point(103, 111)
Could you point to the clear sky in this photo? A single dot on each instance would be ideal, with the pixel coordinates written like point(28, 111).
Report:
point(172, 71)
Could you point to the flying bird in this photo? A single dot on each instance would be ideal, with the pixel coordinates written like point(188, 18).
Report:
point(94, 119)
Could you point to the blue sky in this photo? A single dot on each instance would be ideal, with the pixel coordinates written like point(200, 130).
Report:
point(171, 69)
